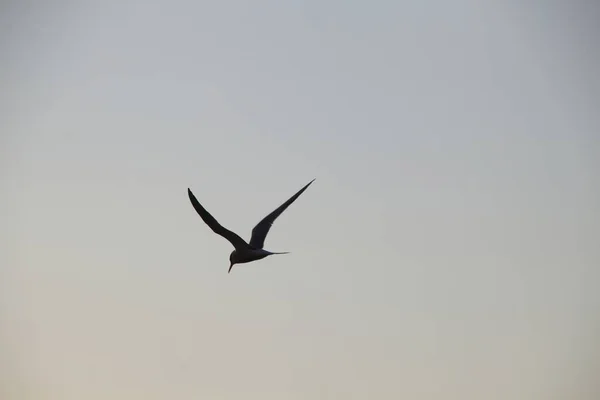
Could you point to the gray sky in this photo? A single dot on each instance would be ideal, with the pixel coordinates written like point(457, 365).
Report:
point(447, 250)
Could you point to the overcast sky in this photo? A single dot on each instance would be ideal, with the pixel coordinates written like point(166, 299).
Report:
point(448, 248)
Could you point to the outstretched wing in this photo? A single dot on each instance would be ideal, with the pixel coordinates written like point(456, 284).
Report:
point(217, 228)
point(260, 231)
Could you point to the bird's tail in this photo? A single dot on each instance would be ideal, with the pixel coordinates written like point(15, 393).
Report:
point(281, 252)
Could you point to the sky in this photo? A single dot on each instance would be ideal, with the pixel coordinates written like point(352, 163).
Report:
point(448, 248)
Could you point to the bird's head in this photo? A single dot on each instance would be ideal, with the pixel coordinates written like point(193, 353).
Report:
point(232, 260)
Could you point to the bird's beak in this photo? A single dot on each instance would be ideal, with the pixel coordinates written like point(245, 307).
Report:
point(231, 266)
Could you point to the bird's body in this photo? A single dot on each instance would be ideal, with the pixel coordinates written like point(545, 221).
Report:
point(245, 252)
point(248, 255)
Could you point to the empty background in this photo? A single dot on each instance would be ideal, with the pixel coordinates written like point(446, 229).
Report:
point(447, 250)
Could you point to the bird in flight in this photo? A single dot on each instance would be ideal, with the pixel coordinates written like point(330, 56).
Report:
point(245, 252)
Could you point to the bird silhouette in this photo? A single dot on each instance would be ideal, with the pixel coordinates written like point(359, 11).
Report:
point(246, 252)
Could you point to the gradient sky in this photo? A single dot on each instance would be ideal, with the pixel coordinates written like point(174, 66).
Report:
point(447, 250)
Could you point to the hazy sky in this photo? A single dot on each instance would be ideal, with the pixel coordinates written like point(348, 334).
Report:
point(447, 250)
